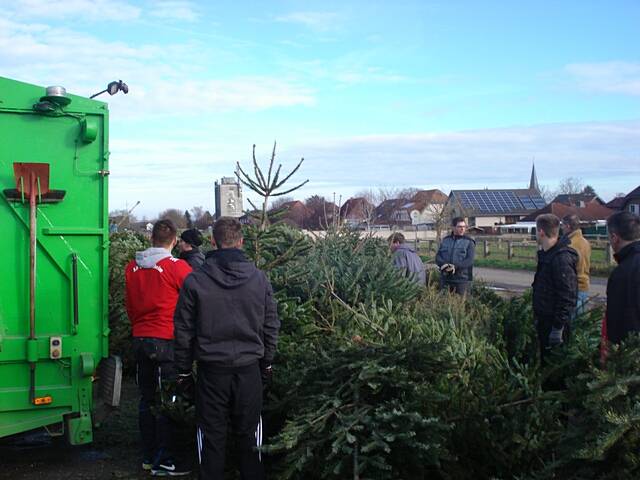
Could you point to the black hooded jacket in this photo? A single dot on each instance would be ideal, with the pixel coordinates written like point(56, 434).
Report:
point(226, 314)
point(555, 285)
point(623, 294)
point(193, 257)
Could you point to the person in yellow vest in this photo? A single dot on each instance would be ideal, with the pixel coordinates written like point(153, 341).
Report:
point(574, 239)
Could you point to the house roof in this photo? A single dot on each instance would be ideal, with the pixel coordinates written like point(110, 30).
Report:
point(357, 208)
point(591, 212)
point(576, 199)
point(617, 203)
point(620, 203)
point(384, 211)
point(427, 197)
point(488, 202)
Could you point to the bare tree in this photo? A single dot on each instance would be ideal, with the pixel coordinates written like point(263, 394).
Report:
point(441, 213)
point(175, 215)
point(279, 202)
point(123, 218)
point(371, 200)
point(546, 193)
point(196, 213)
point(266, 186)
point(570, 186)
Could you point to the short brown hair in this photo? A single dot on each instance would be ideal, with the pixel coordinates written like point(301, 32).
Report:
point(396, 238)
point(227, 232)
point(164, 232)
point(549, 224)
point(456, 220)
point(625, 224)
point(572, 220)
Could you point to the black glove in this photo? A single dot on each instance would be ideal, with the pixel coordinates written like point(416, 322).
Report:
point(185, 386)
point(266, 372)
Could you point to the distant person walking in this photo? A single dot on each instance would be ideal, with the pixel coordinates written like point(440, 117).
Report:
point(574, 238)
point(189, 245)
point(406, 259)
point(455, 258)
point(623, 287)
point(555, 285)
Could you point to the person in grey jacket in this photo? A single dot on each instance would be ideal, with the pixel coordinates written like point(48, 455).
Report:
point(227, 321)
point(455, 259)
point(406, 259)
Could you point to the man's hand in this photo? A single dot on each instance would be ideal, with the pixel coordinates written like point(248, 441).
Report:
point(448, 268)
point(555, 337)
point(185, 386)
point(266, 372)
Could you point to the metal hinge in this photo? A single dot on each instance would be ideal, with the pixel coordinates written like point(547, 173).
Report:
point(104, 173)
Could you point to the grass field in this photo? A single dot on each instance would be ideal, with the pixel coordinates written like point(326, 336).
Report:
point(524, 258)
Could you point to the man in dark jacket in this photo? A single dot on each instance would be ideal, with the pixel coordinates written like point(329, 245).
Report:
point(190, 241)
point(555, 285)
point(406, 259)
point(226, 319)
point(455, 258)
point(623, 287)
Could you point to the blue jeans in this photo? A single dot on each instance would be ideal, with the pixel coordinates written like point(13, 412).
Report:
point(581, 305)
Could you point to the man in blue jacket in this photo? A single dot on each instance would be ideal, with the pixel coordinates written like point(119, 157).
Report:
point(455, 259)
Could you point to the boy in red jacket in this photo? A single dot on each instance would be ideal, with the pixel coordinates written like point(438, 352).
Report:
point(153, 282)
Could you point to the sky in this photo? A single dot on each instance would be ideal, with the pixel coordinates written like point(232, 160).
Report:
point(426, 94)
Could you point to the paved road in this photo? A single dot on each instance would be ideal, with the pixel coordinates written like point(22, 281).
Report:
point(518, 280)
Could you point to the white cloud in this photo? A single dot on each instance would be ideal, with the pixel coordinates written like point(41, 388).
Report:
point(99, 10)
point(602, 154)
point(174, 10)
point(320, 21)
point(180, 172)
point(163, 80)
point(607, 77)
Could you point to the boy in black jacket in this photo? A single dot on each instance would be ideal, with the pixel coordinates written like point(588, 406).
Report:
point(555, 285)
point(226, 319)
point(623, 287)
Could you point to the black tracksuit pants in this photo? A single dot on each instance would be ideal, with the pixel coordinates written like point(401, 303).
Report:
point(154, 365)
point(225, 395)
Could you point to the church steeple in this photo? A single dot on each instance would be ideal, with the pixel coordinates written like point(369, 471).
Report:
point(533, 183)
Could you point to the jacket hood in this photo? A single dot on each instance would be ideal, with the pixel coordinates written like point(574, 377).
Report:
point(151, 256)
point(229, 267)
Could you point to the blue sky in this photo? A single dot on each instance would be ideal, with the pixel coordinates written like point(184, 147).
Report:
point(457, 94)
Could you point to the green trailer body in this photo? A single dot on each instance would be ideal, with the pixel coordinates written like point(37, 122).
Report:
point(71, 261)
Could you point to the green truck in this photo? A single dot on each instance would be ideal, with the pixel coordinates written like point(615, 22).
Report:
point(54, 167)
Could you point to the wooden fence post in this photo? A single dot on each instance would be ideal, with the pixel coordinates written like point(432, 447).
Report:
point(509, 250)
point(429, 247)
point(485, 244)
point(609, 254)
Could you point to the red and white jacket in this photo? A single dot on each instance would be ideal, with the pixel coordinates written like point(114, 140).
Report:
point(153, 282)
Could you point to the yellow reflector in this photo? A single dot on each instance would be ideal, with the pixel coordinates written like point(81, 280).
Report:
point(43, 400)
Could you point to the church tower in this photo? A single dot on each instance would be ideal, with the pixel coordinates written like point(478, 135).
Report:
point(533, 183)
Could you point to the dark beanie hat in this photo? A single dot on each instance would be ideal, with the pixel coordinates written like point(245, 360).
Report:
point(192, 237)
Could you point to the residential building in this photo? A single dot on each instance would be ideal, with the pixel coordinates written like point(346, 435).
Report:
point(630, 202)
point(488, 209)
point(578, 199)
point(357, 212)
